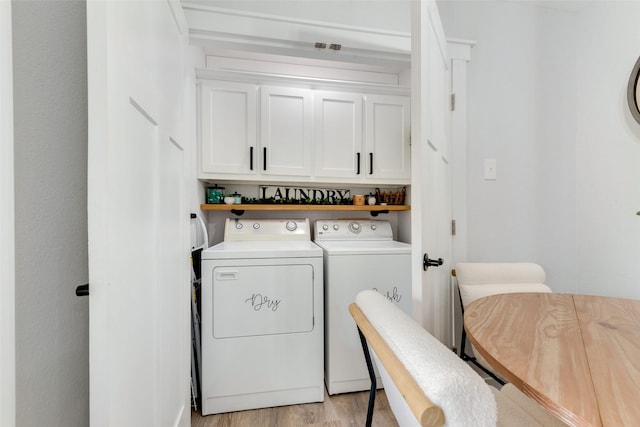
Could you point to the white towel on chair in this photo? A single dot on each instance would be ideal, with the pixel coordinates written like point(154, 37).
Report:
point(450, 383)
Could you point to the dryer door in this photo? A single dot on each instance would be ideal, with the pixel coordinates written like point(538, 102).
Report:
point(251, 300)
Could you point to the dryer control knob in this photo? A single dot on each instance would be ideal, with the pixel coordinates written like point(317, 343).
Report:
point(291, 225)
point(256, 226)
point(336, 227)
point(325, 227)
point(238, 226)
point(355, 227)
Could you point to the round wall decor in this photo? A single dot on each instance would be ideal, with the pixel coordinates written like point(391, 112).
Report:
point(633, 91)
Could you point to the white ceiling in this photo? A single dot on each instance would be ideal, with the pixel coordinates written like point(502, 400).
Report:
point(216, 40)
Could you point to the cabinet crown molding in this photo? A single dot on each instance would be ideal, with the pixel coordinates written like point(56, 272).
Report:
point(300, 82)
point(214, 27)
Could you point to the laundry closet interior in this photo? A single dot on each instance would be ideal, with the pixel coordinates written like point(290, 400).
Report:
point(305, 140)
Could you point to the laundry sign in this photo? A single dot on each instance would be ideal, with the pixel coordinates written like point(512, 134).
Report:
point(305, 194)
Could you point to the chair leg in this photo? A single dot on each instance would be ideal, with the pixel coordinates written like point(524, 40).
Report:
point(463, 343)
point(487, 371)
point(372, 377)
point(464, 356)
point(463, 340)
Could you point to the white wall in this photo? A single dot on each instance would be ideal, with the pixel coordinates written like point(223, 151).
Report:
point(7, 232)
point(547, 100)
point(607, 151)
point(50, 94)
point(521, 112)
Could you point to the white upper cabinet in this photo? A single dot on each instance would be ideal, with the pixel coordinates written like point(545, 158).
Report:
point(381, 155)
point(338, 130)
point(228, 128)
point(286, 131)
point(254, 132)
point(388, 140)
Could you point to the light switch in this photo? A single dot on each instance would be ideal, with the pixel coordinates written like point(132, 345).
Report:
point(490, 169)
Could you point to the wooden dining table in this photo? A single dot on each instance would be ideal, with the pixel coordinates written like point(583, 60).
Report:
point(576, 355)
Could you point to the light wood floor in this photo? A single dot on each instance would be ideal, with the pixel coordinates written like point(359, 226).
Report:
point(340, 410)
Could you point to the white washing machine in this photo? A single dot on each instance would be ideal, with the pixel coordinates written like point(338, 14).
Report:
point(358, 255)
point(262, 317)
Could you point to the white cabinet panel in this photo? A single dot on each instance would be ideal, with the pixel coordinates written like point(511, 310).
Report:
point(228, 128)
point(388, 151)
point(338, 142)
point(286, 130)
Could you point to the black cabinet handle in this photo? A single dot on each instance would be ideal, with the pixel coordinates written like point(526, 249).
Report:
point(370, 163)
point(82, 290)
point(264, 158)
point(358, 163)
point(250, 158)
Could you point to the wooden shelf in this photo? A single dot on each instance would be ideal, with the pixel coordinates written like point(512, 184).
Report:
point(301, 207)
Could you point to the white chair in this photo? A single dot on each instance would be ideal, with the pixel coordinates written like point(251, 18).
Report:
point(425, 382)
point(477, 280)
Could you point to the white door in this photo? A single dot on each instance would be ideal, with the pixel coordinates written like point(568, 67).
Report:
point(431, 171)
point(138, 220)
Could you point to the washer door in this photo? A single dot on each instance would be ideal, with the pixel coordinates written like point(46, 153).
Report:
point(251, 300)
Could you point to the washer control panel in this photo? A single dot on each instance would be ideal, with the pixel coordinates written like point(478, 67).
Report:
point(246, 229)
point(357, 229)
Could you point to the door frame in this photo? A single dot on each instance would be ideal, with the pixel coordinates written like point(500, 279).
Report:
point(459, 57)
point(7, 225)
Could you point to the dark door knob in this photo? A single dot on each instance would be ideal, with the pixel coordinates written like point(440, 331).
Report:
point(428, 262)
point(82, 290)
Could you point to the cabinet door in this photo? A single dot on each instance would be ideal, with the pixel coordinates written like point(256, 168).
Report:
point(338, 131)
point(286, 131)
point(228, 128)
point(388, 137)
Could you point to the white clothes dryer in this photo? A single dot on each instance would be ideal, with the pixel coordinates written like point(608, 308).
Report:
point(262, 317)
point(358, 255)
